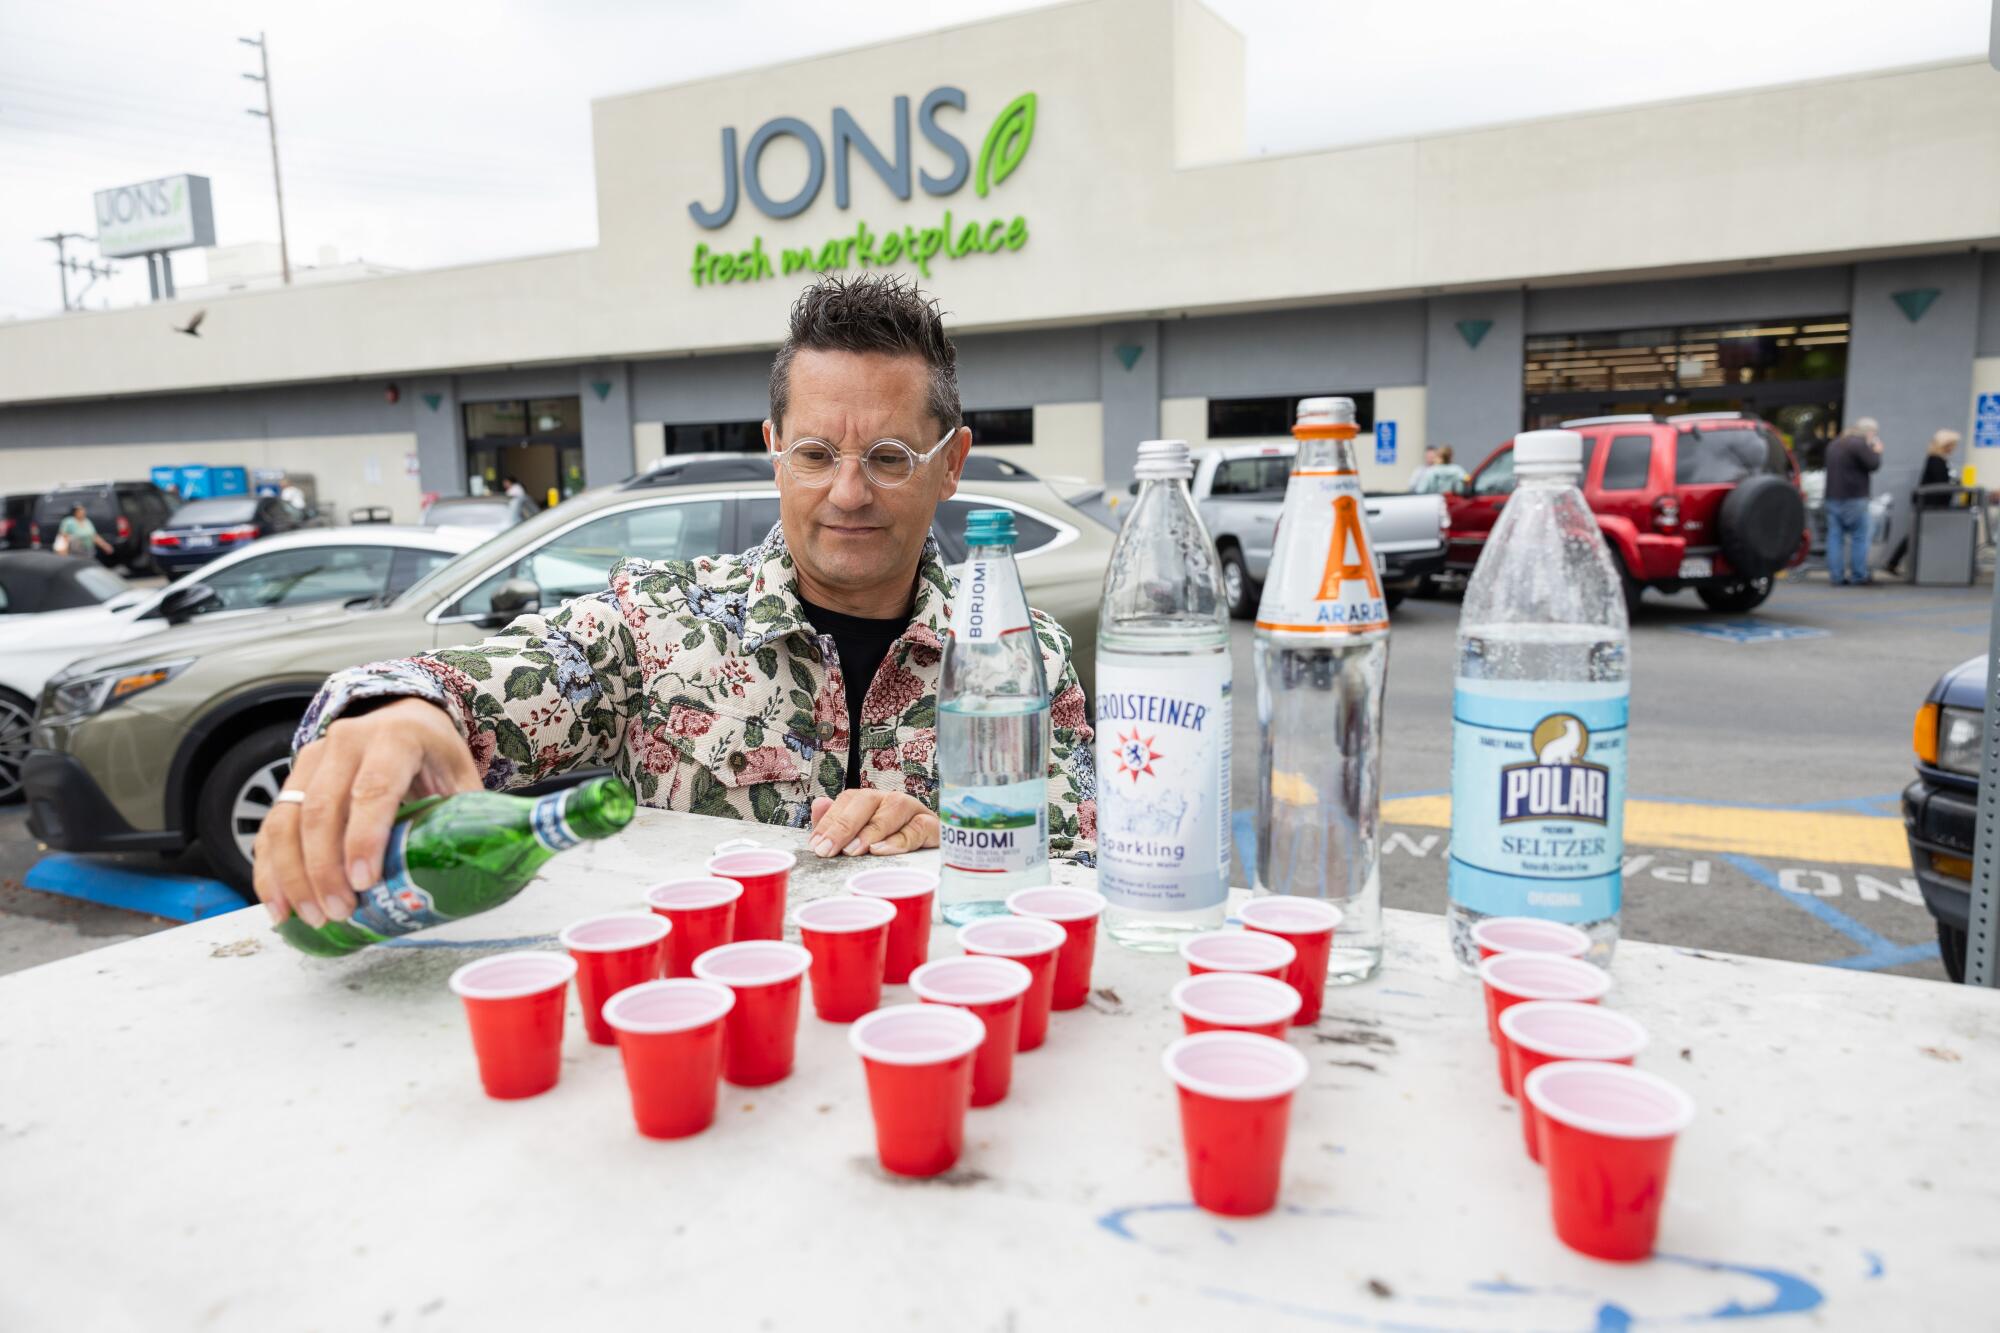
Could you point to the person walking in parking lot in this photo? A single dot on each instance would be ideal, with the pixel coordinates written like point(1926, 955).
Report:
point(1439, 475)
point(794, 684)
point(1850, 462)
point(77, 534)
point(1937, 472)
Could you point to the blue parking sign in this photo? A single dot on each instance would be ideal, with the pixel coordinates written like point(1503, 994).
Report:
point(1986, 422)
point(1385, 441)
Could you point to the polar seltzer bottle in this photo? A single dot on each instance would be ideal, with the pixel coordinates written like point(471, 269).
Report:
point(1538, 714)
point(456, 856)
point(1322, 658)
point(1163, 711)
point(993, 733)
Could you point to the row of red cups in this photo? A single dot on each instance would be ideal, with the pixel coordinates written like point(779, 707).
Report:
point(1603, 1131)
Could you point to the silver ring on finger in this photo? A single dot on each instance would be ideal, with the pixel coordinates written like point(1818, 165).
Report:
point(290, 798)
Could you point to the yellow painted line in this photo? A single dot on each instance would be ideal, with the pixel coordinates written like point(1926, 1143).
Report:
point(1786, 835)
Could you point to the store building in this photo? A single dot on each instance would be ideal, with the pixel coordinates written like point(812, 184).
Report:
point(1072, 184)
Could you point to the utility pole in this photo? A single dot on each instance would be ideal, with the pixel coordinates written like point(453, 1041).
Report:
point(271, 123)
point(63, 265)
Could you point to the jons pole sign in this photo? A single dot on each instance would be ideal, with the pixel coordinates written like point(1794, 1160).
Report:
point(951, 237)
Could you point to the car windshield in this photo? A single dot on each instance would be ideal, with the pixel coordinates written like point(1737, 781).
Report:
point(1720, 455)
point(517, 538)
point(495, 514)
point(233, 509)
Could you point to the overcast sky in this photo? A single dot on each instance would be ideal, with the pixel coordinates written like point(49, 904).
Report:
point(446, 131)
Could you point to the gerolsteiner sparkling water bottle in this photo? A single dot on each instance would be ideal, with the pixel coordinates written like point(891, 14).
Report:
point(1322, 655)
point(1163, 715)
point(1538, 714)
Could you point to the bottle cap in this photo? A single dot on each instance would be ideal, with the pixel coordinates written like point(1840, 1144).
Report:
point(1164, 460)
point(990, 527)
point(1327, 411)
point(1547, 452)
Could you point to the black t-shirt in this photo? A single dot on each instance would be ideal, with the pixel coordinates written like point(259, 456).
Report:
point(862, 644)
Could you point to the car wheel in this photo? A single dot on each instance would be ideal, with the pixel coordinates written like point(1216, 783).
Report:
point(17, 716)
point(1394, 596)
point(238, 796)
point(1740, 595)
point(1237, 585)
point(1951, 949)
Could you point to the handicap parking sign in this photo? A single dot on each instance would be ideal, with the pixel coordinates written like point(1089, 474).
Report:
point(1385, 441)
point(1986, 422)
point(1749, 629)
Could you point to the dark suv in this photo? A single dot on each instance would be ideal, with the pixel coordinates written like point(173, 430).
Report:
point(1941, 808)
point(1708, 501)
point(125, 513)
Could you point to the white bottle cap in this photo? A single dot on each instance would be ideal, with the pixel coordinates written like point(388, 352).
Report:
point(1164, 460)
point(1542, 453)
point(1327, 411)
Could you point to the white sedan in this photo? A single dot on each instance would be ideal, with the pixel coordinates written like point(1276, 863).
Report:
point(367, 561)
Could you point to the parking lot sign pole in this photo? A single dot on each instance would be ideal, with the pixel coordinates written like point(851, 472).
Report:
point(1982, 925)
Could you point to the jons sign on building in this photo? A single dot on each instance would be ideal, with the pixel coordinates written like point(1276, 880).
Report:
point(1000, 152)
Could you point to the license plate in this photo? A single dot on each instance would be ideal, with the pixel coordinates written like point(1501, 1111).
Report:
point(196, 541)
point(1697, 567)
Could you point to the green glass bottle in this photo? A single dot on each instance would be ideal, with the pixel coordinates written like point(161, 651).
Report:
point(456, 856)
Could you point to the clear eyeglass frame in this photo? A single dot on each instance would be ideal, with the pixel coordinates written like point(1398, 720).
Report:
point(883, 453)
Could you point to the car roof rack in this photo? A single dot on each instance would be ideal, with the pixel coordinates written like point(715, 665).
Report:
point(1619, 420)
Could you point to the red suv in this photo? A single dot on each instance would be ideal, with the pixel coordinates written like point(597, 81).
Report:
point(1708, 501)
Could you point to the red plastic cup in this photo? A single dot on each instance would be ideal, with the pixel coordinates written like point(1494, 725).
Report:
point(1076, 911)
point(849, 941)
point(1236, 1002)
point(670, 1034)
point(1607, 1140)
point(1035, 945)
point(919, 1060)
point(1308, 923)
point(1539, 1032)
point(761, 1035)
point(1511, 978)
point(1236, 1104)
point(1528, 934)
point(612, 953)
point(763, 872)
point(514, 1005)
point(704, 915)
point(991, 989)
point(911, 893)
point(1239, 951)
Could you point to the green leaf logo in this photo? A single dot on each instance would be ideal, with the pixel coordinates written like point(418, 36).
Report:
point(1006, 143)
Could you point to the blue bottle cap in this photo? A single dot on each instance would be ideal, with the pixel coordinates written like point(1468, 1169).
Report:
point(990, 527)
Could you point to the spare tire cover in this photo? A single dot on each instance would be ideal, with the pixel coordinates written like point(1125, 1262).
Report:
point(1759, 525)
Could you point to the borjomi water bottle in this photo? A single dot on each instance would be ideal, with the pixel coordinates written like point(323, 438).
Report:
point(993, 733)
point(456, 856)
point(1322, 657)
point(1538, 716)
point(1163, 716)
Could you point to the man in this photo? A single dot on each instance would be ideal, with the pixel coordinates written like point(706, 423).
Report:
point(1849, 461)
point(1439, 474)
point(793, 684)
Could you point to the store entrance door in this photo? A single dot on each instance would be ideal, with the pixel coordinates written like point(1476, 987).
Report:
point(538, 441)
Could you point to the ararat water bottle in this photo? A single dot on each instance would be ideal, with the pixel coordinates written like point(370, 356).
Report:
point(993, 730)
point(1322, 655)
point(1538, 716)
point(1163, 712)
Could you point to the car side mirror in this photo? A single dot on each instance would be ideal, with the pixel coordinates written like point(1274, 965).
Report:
point(183, 604)
point(515, 597)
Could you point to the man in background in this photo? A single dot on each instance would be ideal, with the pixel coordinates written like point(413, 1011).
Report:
point(1851, 461)
point(1439, 475)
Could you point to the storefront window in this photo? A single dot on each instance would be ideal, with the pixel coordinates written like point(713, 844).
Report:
point(1264, 418)
point(1001, 425)
point(709, 437)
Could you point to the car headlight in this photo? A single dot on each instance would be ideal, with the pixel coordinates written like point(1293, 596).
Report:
point(1958, 736)
point(83, 696)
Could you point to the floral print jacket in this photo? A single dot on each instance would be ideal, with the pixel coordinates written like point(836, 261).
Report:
point(703, 685)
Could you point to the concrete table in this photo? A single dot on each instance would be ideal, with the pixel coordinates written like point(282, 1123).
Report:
point(204, 1129)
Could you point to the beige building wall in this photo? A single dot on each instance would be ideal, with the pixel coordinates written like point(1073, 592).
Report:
point(1069, 442)
point(349, 471)
point(649, 444)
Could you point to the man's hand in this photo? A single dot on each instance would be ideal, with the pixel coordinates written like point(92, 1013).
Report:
point(312, 857)
point(877, 823)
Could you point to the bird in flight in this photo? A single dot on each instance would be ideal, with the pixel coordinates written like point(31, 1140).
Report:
point(193, 327)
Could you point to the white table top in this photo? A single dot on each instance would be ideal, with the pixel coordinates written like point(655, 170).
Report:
point(202, 1128)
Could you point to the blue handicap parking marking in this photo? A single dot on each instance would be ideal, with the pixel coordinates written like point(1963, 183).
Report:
point(110, 884)
point(1986, 422)
point(1749, 629)
point(1385, 441)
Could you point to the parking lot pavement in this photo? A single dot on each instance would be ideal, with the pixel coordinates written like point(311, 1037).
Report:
point(1767, 754)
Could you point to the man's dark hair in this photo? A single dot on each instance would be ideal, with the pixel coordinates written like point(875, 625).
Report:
point(876, 312)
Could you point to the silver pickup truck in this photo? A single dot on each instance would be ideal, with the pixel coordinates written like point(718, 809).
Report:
point(1240, 490)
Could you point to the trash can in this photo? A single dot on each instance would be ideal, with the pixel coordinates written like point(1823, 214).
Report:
point(1944, 535)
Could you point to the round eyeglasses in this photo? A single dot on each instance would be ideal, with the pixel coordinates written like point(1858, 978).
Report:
point(886, 463)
